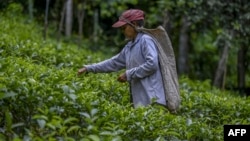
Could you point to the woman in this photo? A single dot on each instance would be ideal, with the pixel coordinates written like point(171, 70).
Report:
point(140, 59)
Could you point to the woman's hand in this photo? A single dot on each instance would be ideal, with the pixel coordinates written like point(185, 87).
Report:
point(122, 78)
point(82, 70)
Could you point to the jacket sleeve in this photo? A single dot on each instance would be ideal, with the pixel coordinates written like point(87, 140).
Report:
point(150, 54)
point(113, 64)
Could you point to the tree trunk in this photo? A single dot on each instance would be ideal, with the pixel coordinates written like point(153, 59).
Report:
point(46, 19)
point(221, 69)
point(166, 23)
point(241, 69)
point(183, 47)
point(61, 21)
point(31, 9)
point(96, 24)
point(69, 18)
point(80, 15)
point(96, 29)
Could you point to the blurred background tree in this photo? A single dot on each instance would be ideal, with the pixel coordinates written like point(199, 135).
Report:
point(210, 38)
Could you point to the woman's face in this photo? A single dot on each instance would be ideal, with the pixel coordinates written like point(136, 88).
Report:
point(129, 31)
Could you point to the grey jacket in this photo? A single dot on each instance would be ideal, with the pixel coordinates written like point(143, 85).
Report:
point(140, 58)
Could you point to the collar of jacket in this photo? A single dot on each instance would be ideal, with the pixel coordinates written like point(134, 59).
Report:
point(137, 38)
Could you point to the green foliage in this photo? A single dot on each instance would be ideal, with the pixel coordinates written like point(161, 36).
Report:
point(209, 22)
point(111, 7)
point(42, 98)
point(204, 48)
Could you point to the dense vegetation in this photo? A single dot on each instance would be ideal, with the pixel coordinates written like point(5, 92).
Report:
point(42, 98)
point(210, 38)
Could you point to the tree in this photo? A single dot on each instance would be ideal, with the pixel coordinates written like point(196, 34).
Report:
point(61, 22)
point(220, 74)
point(236, 14)
point(31, 9)
point(68, 18)
point(203, 16)
point(46, 19)
point(80, 17)
point(183, 47)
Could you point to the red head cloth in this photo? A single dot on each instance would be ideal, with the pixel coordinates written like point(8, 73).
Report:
point(129, 16)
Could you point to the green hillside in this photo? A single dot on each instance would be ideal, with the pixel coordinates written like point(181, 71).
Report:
point(42, 98)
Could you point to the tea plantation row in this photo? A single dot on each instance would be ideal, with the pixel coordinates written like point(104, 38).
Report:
point(42, 98)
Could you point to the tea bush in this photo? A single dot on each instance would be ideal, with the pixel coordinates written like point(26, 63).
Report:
point(42, 98)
